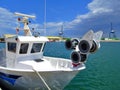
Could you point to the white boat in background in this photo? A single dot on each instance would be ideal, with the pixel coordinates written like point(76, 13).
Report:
point(23, 66)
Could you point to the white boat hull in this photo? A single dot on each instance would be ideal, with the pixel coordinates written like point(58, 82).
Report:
point(55, 80)
point(31, 81)
point(20, 79)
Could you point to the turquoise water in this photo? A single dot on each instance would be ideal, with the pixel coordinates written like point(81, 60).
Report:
point(102, 68)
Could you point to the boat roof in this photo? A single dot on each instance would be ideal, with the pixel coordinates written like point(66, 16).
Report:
point(28, 39)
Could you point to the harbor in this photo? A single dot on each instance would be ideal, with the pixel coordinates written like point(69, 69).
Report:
point(102, 68)
point(59, 45)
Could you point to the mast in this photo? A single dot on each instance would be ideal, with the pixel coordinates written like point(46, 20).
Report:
point(112, 32)
point(61, 31)
point(45, 19)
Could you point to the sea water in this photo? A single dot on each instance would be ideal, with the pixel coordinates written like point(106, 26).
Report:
point(102, 68)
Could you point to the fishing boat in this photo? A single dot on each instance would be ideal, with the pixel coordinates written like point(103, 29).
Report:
point(24, 67)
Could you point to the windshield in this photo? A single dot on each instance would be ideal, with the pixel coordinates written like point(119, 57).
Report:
point(36, 47)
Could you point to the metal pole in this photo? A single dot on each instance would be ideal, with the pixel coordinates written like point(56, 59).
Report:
point(45, 19)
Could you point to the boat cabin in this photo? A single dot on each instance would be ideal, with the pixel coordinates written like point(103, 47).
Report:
point(20, 48)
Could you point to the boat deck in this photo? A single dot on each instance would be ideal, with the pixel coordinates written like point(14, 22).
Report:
point(46, 64)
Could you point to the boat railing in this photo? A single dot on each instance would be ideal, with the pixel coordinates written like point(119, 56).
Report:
point(59, 63)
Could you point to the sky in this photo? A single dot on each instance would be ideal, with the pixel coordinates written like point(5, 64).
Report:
point(76, 16)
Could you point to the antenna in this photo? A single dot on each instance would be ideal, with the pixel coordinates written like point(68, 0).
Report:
point(24, 15)
point(25, 21)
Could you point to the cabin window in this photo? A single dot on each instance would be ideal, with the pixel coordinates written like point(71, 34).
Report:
point(12, 47)
point(36, 47)
point(24, 48)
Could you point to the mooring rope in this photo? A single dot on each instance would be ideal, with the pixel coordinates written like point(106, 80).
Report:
point(41, 78)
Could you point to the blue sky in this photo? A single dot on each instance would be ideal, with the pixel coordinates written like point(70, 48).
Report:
point(77, 16)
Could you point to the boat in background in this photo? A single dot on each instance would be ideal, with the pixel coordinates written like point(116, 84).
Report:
point(23, 66)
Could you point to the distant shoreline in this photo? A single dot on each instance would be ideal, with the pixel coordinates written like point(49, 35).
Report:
point(110, 40)
point(100, 41)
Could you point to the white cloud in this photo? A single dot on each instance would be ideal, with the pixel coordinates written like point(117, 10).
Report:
point(8, 23)
point(101, 14)
point(7, 20)
point(52, 28)
point(54, 24)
